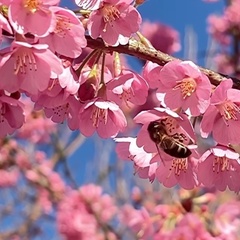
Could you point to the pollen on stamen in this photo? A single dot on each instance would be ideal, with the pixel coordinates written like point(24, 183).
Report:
point(31, 5)
point(187, 87)
point(63, 24)
point(179, 165)
point(24, 60)
point(110, 13)
point(221, 164)
point(98, 115)
point(229, 111)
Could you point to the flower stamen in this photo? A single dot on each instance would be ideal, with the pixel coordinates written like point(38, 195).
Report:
point(178, 165)
point(31, 5)
point(187, 86)
point(229, 111)
point(24, 59)
point(98, 115)
point(110, 13)
point(221, 164)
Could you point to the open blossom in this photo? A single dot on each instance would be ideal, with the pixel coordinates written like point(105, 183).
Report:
point(114, 22)
point(180, 124)
point(32, 16)
point(219, 167)
point(144, 163)
point(181, 171)
point(59, 105)
point(102, 116)
point(27, 67)
point(185, 87)
point(89, 4)
point(68, 37)
point(222, 117)
point(128, 87)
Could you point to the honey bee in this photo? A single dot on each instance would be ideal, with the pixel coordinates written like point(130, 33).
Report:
point(170, 144)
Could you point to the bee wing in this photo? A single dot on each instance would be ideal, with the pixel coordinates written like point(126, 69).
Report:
point(159, 152)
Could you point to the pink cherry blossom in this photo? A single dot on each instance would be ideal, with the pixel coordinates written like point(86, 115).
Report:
point(37, 127)
point(68, 79)
point(4, 24)
point(114, 22)
point(102, 116)
point(151, 74)
point(67, 38)
point(218, 27)
point(179, 124)
point(89, 4)
point(191, 227)
point(82, 214)
point(144, 163)
point(219, 167)
point(25, 16)
point(227, 219)
point(27, 67)
point(179, 171)
point(138, 220)
point(185, 87)
point(170, 40)
point(8, 178)
point(128, 87)
point(59, 105)
point(222, 117)
point(11, 114)
point(127, 149)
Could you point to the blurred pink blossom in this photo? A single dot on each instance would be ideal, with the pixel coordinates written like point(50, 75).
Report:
point(161, 36)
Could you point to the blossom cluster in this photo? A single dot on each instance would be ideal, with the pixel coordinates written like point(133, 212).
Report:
point(41, 61)
point(88, 213)
point(171, 156)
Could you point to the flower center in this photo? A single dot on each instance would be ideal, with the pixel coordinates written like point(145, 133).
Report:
point(31, 5)
point(229, 111)
point(63, 24)
point(110, 13)
point(24, 58)
point(221, 164)
point(178, 165)
point(187, 86)
point(98, 115)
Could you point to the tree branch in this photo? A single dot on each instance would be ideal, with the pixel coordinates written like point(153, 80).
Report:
point(136, 49)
